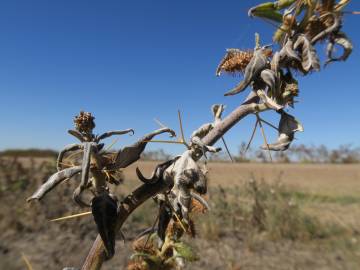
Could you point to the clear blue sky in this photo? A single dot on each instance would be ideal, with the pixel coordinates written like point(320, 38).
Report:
point(131, 61)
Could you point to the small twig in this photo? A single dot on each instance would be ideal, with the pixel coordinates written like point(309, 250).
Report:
point(159, 123)
point(72, 216)
point(264, 136)
point(181, 127)
point(27, 262)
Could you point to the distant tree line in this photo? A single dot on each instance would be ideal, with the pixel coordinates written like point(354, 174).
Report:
point(31, 152)
point(300, 153)
point(344, 154)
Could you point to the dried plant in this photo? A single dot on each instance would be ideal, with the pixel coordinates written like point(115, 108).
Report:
point(97, 171)
point(178, 184)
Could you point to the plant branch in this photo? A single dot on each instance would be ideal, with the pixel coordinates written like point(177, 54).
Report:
point(96, 255)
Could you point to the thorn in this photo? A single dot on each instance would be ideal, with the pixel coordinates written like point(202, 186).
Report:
point(227, 149)
point(27, 262)
point(179, 141)
point(268, 123)
point(182, 131)
point(111, 145)
point(163, 141)
point(71, 216)
point(264, 136)
point(159, 123)
point(252, 137)
point(257, 40)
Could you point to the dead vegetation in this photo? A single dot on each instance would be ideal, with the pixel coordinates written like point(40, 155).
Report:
point(280, 222)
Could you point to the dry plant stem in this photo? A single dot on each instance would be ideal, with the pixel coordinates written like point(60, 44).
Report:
point(96, 255)
point(228, 122)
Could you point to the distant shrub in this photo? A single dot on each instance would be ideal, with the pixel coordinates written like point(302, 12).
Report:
point(32, 152)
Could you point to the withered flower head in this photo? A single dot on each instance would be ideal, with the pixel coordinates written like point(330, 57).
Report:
point(236, 60)
point(84, 122)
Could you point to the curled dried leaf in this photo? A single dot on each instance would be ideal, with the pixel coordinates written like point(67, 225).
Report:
point(309, 58)
point(288, 125)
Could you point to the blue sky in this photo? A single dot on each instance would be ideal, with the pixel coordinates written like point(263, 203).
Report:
point(131, 61)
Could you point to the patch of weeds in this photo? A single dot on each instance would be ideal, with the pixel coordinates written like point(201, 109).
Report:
point(281, 217)
point(259, 209)
point(305, 197)
point(144, 216)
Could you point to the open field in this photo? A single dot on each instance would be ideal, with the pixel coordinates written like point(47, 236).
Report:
point(313, 178)
point(308, 218)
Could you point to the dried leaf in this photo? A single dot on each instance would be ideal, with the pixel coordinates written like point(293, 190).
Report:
point(104, 209)
point(288, 125)
point(53, 181)
point(309, 58)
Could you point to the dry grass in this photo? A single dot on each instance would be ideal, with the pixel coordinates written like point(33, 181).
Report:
point(325, 179)
point(312, 221)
